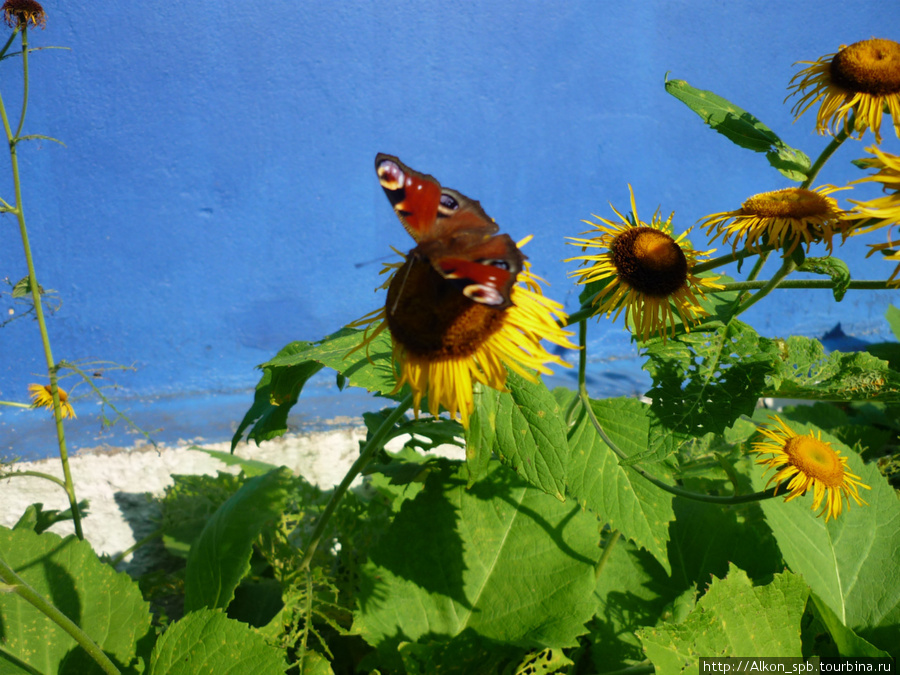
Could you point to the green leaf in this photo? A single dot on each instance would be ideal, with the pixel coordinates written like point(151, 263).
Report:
point(804, 371)
point(849, 644)
point(502, 558)
point(850, 563)
point(733, 618)
point(893, 318)
point(206, 641)
point(276, 393)
point(36, 519)
point(482, 432)
point(530, 435)
point(618, 494)
point(741, 128)
point(106, 604)
point(250, 467)
point(702, 382)
point(220, 558)
point(833, 267)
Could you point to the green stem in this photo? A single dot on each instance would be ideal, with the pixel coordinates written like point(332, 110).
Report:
point(16, 404)
point(9, 42)
point(20, 587)
point(114, 562)
point(734, 256)
point(859, 285)
point(611, 542)
point(671, 489)
point(582, 367)
point(372, 446)
point(24, 86)
point(39, 311)
point(34, 474)
point(826, 155)
point(786, 268)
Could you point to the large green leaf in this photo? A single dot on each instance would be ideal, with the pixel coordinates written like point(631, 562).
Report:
point(106, 604)
point(741, 128)
point(220, 557)
point(207, 641)
point(617, 493)
point(805, 371)
point(850, 562)
point(529, 433)
point(704, 381)
point(733, 618)
point(503, 559)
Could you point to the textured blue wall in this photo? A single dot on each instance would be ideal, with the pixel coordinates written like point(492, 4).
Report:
point(217, 199)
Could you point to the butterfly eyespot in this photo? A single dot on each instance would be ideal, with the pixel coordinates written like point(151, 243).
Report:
point(499, 264)
point(390, 175)
point(448, 205)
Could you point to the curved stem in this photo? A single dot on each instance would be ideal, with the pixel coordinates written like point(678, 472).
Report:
point(827, 153)
point(20, 587)
point(859, 285)
point(39, 313)
point(372, 446)
point(786, 268)
point(671, 489)
point(24, 86)
point(734, 256)
point(34, 474)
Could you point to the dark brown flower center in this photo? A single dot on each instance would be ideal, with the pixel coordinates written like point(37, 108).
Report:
point(431, 318)
point(649, 261)
point(815, 459)
point(869, 67)
point(788, 203)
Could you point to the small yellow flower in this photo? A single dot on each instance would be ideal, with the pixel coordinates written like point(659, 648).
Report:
point(782, 218)
point(444, 342)
point(884, 210)
point(808, 462)
point(42, 398)
point(23, 12)
point(648, 270)
point(861, 79)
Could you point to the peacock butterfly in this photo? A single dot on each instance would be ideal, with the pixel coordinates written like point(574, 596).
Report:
point(453, 233)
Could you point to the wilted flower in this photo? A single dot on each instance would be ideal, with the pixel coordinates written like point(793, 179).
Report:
point(23, 12)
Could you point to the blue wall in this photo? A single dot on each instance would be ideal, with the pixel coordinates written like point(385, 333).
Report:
point(217, 199)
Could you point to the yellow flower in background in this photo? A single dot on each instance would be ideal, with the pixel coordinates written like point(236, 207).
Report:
point(42, 398)
point(882, 210)
point(445, 342)
point(650, 273)
point(782, 218)
point(807, 462)
point(861, 79)
point(891, 251)
point(23, 12)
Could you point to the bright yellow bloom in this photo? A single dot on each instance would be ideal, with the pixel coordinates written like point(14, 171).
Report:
point(23, 12)
point(445, 342)
point(648, 271)
point(883, 210)
point(808, 462)
point(782, 218)
point(861, 79)
point(42, 398)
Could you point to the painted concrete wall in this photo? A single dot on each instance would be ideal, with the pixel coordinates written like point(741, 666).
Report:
point(216, 196)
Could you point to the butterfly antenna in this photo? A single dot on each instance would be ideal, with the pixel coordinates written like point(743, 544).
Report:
point(402, 285)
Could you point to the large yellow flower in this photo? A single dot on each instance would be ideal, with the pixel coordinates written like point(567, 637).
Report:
point(42, 398)
point(649, 272)
point(862, 79)
point(806, 462)
point(445, 342)
point(882, 210)
point(782, 218)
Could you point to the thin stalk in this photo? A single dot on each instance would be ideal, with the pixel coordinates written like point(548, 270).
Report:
point(114, 562)
point(582, 367)
point(671, 489)
point(786, 268)
point(9, 42)
point(858, 285)
point(15, 404)
point(39, 308)
point(24, 86)
point(372, 446)
point(734, 256)
point(827, 153)
point(20, 587)
point(34, 474)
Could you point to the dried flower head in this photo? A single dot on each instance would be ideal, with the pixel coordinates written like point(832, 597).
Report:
point(22, 12)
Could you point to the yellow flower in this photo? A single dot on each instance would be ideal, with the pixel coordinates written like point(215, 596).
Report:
point(883, 210)
point(861, 79)
point(782, 218)
point(42, 398)
point(23, 12)
point(808, 462)
point(648, 271)
point(445, 342)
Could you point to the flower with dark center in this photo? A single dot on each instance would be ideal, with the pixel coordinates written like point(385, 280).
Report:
point(807, 462)
point(22, 12)
point(649, 273)
point(444, 342)
point(861, 79)
point(782, 218)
